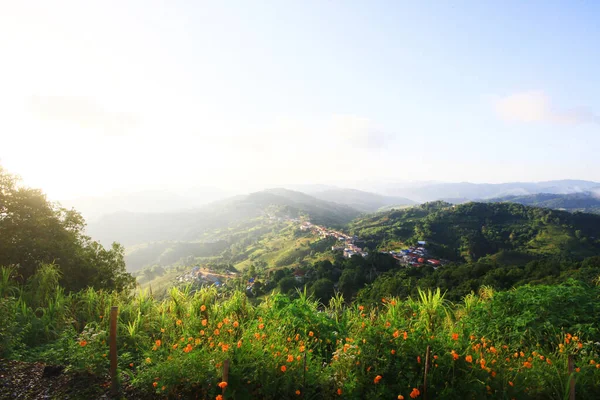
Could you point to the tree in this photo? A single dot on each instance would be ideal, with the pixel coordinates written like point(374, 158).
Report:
point(322, 289)
point(287, 284)
point(34, 231)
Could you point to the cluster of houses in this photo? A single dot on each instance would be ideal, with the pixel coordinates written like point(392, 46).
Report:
point(348, 243)
point(198, 276)
point(415, 256)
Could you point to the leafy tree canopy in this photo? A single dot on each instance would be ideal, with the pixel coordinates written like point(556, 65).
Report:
point(34, 231)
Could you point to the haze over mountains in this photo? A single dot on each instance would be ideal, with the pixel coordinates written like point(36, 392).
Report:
point(157, 226)
point(131, 228)
point(373, 197)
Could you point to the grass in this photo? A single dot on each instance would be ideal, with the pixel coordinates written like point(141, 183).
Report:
point(489, 345)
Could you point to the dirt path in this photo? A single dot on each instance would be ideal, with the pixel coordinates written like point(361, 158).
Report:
point(24, 381)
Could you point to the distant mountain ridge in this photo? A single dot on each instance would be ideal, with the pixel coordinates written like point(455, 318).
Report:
point(482, 191)
point(131, 228)
point(582, 201)
point(361, 200)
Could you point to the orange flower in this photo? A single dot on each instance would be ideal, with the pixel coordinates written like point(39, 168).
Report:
point(239, 344)
point(225, 347)
point(527, 364)
point(396, 334)
point(577, 369)
point(188, 348)
point(283, 368)
point(131, 364)
point(219, 397)
point(216, 332)
point(455, 355)
point(361, 308)
point(83, 343)
point(220, 325)
point(415, 393)
point(405, 335)
point(510, 383)
point(155, 384)
point(393, 351)
point(222, 385)
point(311, 334)
point(261, 326)
point(179, 322)
point(301, 349)
point(393, 302)
point(157, 343)
point(419, 359)
point(455, 336)
point(236, 324)
point(400, 397)
point(469, 358)
point(204, 322)
point(297, 393)
point(339, 392)
point(175, 346)
point(377, 379)
point(290, 358)
point(202, 307)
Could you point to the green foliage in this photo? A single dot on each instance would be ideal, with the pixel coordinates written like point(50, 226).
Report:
point(36, 232)
point(470, 231)
point(490, 344)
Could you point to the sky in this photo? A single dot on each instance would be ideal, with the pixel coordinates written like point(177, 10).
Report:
point(99, 97)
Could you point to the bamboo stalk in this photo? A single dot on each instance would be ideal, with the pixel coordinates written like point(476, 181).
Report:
point(426, 371)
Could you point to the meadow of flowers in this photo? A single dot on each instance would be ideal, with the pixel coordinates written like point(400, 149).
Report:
point(215, 345)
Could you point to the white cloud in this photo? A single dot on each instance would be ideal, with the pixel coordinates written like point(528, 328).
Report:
point(536, 106)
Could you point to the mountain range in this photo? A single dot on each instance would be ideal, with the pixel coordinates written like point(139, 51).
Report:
point(132, 228)
point(581, 201)
point(372, 197)
point(465, 191)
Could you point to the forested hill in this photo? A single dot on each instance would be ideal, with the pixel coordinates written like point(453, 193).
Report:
point(582, 201)
point(473, 230)
point(135, 228)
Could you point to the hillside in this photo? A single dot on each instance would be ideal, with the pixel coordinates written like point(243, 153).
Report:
point(583, 201)
point(473, 230)
point(130, 228)
point(360, 200)
point(220, 232)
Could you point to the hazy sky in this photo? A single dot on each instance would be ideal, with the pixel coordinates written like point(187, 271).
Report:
point(113, 95)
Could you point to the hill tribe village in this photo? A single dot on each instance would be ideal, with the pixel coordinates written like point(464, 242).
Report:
point(413, 256)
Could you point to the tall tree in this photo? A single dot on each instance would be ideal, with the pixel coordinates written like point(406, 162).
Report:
point(34, 231)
